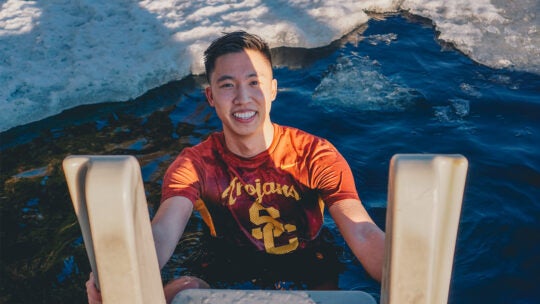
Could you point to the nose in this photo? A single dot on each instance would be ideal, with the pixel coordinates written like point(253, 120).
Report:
point(242, 94)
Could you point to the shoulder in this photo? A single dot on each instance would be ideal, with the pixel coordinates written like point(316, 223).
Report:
point(199, 154)
point(298, 135)
point(210, 145)
point(301, 139)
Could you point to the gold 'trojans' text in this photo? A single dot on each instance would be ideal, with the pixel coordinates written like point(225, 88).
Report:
point(258, 190)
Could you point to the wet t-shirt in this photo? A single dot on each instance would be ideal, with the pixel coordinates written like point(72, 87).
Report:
point(272, 202)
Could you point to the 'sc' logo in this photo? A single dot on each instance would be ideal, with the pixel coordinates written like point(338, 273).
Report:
point(271, 229)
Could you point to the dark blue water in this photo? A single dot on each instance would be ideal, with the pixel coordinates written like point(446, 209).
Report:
point(392, 89)
point(452, 105)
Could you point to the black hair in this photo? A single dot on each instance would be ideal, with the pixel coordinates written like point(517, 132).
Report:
point(234, 42)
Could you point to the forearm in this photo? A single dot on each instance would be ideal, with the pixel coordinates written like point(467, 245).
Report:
point(367, 244)
point(168, 226)
point(365, 239)
point(164, 247)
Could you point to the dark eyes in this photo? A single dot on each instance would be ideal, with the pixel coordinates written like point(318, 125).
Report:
point(230, 85)
point(226, 85)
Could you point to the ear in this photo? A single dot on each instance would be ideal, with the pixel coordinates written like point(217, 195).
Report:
point(274, 89)
point(209, 96)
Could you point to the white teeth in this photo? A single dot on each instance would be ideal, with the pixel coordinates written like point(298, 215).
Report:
point(244, 115)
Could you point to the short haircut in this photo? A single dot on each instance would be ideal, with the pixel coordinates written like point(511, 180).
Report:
point(234, 42)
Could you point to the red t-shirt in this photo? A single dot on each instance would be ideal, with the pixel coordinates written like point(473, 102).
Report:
point(273, 201)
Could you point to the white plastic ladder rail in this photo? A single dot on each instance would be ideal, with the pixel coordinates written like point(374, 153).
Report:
point(425, 193)
point(108, 196)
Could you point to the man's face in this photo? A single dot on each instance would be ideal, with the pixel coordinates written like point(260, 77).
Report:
point(242, 90)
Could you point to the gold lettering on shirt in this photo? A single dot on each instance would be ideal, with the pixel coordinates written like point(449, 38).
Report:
point(259, 190)
point(269, 229)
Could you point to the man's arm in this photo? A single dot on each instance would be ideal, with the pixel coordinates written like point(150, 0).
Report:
point(365, 239)
point(168, 226)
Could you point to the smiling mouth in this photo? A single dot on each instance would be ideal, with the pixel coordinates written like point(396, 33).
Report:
point(244, 115)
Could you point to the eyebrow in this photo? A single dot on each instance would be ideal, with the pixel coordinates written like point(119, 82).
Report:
point(229, 77)
point(224, 77)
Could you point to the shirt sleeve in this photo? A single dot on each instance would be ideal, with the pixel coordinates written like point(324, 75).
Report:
point(182, 178)
point(331, 174)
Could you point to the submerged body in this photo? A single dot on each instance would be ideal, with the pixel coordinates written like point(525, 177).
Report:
point(271, 202)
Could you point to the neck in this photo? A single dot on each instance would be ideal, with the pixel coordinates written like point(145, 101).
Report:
point(249, 146)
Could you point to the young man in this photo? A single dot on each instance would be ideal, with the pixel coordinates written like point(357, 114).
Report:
point(261, 188)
